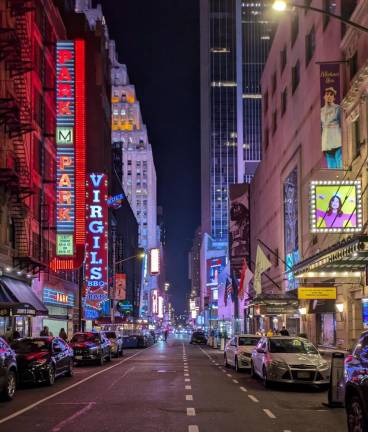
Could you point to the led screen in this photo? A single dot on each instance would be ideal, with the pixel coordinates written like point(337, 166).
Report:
point(365, 312)
point(336, 206)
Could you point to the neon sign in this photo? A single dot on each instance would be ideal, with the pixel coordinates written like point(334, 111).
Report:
point(71, 155)
point(57, 297)
point(155, 261)
point(96, 261)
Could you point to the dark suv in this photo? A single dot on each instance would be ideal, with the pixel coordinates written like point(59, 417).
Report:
point(91, 346)
point(8, 371)
point(356, 386)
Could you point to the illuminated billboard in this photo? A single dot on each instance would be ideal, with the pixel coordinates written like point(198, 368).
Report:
point(214, 268)
point(120, 286)
point(336, 206)
point(70, 155)
point(96, 260)
point(155, 261)
point(154, 301)
point(160, 312)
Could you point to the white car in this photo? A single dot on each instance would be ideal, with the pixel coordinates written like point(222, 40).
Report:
point(238, 351)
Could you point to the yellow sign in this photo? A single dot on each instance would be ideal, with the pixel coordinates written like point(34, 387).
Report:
point(317, 293)
point(64, 244)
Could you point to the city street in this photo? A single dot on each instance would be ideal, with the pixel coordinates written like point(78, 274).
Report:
point(171, 387)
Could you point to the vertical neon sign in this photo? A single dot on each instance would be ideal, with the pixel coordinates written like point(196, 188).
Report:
point(96, 261)
point(65, 123)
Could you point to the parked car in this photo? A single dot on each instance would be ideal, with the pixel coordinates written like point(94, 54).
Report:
point(131, 341)
point(116, 342)
point(198, 338)
point(289, 360)
point(356, 386)
point(91, 347)
point(238, 351)
point(8, 371)
point(42, 359)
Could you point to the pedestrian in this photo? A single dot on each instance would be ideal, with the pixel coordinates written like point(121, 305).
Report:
point(62, 334)
point(8, 334)
point(284, 331)
point(16, 334)
point(45, 331)
point(166, 334)
point(269, 333)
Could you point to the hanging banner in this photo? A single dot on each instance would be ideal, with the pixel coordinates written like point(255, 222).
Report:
point(96, 261)
point(120, 286)
point(238, 227)
point(331, 115)
point(262, 264)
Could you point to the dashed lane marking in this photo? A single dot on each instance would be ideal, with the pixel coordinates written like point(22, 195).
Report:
point(269, 413)
point(193, 428)
point(243, 389)
point(188, 387)
point(189, 397)
point(253, 398)
point(229, 375)
point(191, 412)
point(235, 382)
point(187, 379)
point(186, 374)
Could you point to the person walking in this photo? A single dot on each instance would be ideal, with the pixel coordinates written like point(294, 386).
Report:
point(45, 331)
point(166, 334)
point(269, 332)
point(284, 331)
point(62, 334)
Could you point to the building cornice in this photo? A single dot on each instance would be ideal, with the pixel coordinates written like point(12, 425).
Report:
point(352, 35)
point(358, 89)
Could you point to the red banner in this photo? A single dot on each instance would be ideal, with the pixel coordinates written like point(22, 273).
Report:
point(120, 286)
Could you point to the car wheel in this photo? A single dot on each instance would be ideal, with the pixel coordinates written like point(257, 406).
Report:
point(100, 360)
point(237, 368)
point(226, 364)
point(70, 371)
point(50, 380)
point(266, 382)
point(10, 386)
point(122, 352)
point(252, 371)
point(355, 415)
point(108, 358)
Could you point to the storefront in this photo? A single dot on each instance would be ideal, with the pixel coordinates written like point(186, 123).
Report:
point(334, 320)
point(60, 304)
point(18, 307)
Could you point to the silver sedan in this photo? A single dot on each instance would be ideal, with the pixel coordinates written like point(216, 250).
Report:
point(289, 360)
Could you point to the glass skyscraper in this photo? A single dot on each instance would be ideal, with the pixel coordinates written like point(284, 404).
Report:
point(235, 39)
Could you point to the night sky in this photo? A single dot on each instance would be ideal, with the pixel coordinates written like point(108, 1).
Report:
point(159, 42)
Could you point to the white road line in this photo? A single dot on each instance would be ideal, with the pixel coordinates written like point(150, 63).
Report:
point(193, 428)
point(269, 413)
point(235, 382)
point(229, 375)
point(186, 374)
point(29, 407)
point(188, 397)
point(253, 398)
point(187, 379)
point(60, 425)
point(243, 389)
point(191, 412)
point(188, 387)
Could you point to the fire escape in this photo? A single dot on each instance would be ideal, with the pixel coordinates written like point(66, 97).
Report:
point(16, 119)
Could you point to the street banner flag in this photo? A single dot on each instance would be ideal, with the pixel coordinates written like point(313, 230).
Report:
point(228, 290)
point(245, 278)
point(262, 264)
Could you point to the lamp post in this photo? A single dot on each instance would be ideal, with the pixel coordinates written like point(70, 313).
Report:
point(282, 6)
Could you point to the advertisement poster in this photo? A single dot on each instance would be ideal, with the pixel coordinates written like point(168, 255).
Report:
point(365, 312)
point(238, 227)
point(331, 115)
point(336, 206)
point(214, 268)
point(120, 286)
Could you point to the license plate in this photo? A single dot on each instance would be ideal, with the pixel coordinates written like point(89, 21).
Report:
point(78, 357)
point(303, 375)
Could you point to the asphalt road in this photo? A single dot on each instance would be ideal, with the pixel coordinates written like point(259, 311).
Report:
point(169, 387)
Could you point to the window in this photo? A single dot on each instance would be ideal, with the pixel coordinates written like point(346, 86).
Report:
point(129, 162)
point(328, 6)
point(355, 131)
point(283, 58)
point(295, 76)
point(294, 28)
point(310, 45)
point(283, 101)
point(274, 122)
point(274, 83)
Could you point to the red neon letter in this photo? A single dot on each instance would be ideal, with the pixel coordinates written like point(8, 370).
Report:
point(64, 108)
point(64, 90)
point(64, 56)
point(65, 161)
point(64, 181)
point(64, 214)
point(64, 75)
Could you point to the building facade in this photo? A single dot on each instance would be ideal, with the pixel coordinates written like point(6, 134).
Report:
point(285, 199)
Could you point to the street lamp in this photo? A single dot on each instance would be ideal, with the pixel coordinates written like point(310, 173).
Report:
point(140, 255)
point(282, 6)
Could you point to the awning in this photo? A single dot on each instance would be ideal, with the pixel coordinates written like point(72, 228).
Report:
point(274, 304)
point(17, 298)
point(342, 259)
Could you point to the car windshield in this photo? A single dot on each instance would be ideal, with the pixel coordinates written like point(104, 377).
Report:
point(85, 337)
point(248, 341)
point(198, 334)
point(110, 335)
point(292, 346)
point(26, 346)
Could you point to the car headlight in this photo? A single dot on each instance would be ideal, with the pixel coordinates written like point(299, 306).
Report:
point(279, 363)
point(323, 366)
point(40, 362)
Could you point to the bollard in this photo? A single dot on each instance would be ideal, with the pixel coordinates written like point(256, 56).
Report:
point(222, 344)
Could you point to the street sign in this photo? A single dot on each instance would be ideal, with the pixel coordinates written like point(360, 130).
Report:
point(317, 293)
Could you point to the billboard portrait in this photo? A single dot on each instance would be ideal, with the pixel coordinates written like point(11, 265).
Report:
point(214, 268)
point(238, 227)
point(331, 115)
point(336, 206)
